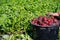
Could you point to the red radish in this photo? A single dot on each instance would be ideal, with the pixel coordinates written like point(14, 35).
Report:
point(45, 18)
point(32, 22)
point(50, 20)
point(55, 20)
point(44, 25)
point(45, 21)
point(40, 18)
point(40, 23)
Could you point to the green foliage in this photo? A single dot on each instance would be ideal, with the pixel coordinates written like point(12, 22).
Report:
point(16, 37)
point(16, 14)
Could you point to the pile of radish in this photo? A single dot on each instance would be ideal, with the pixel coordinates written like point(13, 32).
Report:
point(44, 21)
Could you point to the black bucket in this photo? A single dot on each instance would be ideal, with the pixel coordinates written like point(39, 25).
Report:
point(46, 33)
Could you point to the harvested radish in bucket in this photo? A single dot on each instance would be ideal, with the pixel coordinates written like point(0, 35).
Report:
point(44, 21)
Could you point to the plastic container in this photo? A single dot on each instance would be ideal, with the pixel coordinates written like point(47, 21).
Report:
point(46, 33)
